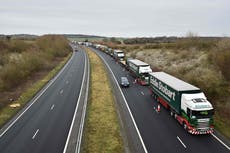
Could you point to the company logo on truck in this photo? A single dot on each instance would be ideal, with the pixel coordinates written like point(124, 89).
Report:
point(163, 88)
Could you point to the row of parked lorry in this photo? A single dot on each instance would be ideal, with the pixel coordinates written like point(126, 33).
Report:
point(185, 102)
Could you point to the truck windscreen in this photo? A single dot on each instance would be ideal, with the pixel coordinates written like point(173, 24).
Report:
point(203, 114)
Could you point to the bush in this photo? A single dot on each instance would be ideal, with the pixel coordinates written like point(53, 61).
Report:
point(19, 46)
point(19, 60)
point(222, 57)
point(55, 45)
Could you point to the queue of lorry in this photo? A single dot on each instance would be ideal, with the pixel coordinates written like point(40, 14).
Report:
point(185, 102)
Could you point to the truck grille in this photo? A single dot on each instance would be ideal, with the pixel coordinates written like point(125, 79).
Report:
point(203, 123)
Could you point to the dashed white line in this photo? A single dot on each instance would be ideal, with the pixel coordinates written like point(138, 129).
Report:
point(52, 107)
point(142, 93)
point(220, 141)
point(67, 82)
point(61, 92)
point(181, 142)
point(35, 133)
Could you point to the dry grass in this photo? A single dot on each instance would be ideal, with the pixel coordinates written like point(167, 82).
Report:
point(102, 131)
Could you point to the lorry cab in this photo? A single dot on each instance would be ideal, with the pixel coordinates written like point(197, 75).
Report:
point(119, 55)
point(140, 69)
point(199, 112)
point(144, 71)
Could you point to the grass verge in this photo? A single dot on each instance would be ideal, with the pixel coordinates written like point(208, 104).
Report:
point(8, 112)
point(102, 131)
point(221, 126)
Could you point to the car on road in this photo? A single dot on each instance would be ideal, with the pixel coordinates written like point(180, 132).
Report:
point(124, 82)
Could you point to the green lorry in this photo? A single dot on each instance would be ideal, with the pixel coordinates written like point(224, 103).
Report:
point(139, 69)
point(186, 102)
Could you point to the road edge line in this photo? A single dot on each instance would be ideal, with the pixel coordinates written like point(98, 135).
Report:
point(75, 112)
point(218, 139)
point(131, 115)
point(78, 149)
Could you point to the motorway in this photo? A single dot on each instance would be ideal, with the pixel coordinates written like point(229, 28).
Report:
point(43, 125)
point(159, 131)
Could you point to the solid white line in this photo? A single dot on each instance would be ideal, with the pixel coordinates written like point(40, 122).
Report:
point(78, 148)
point(220, 141)
point(52, 107)
point(131, 115)
point(181, 142)
point(35, 134)
point(44, 90)
point(75, 112)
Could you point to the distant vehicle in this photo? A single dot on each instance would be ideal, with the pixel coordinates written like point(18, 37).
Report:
point(110, 51)
point(139, 69)
point(186, 103)
point(124, 82)
point(119, 55)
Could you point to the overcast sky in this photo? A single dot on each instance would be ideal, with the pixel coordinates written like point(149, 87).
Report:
point(127, 18)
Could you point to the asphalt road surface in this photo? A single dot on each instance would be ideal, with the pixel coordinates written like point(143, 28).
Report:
point(44, 125)
point(160, 132)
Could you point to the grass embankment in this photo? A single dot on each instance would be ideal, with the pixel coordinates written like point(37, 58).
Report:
point(102, 131)
point(25, 68)
point(8, 112)
point(203, 63)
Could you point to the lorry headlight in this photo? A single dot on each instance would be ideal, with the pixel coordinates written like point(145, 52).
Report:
point(193, 117)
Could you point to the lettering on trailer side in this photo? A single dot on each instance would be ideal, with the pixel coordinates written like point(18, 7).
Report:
point(163, 88)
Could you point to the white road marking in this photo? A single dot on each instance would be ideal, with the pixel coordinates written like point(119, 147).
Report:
point(61, 92)
point(75, 112)
point(181, 142)
point(35, 134)
point(67, 82)
point(78, 147)
point(220, 141)
point(52, 107)
point(142, 93)
point(51, 82)
point(131, 115)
